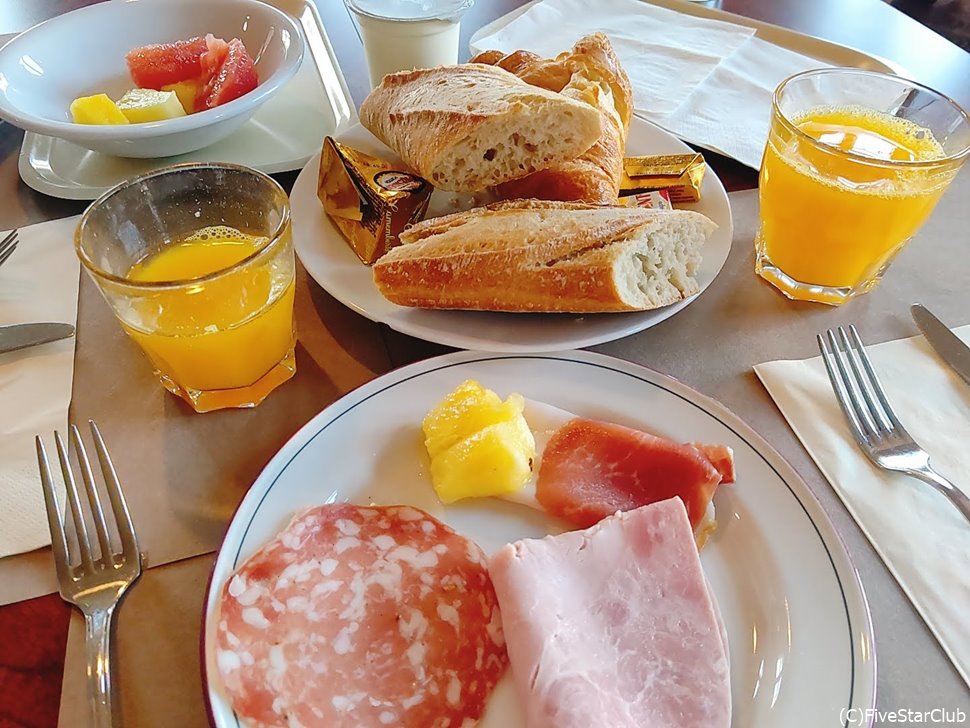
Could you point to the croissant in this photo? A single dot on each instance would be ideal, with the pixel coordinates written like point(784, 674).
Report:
point(591, 73)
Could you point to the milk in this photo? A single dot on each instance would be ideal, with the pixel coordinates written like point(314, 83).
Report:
point(399, 35)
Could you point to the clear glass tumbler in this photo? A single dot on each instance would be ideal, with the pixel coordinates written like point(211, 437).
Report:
point(855, 163)
point(196, 260)
point(400, 35)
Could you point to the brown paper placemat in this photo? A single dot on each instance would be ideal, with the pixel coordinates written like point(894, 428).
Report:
point(184, 473)
point(156, 668)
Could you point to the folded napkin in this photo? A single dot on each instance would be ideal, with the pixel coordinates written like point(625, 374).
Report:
point(666, 54)
point(707, 81)
point(923, 539)
point(730, 111)
point(39, 282)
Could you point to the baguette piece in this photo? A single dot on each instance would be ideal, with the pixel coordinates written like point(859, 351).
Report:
point(470, 127)
point(591, 73)
point(531, 255)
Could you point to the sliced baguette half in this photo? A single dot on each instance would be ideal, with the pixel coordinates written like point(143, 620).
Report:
point(470, 127)
point(539, 256)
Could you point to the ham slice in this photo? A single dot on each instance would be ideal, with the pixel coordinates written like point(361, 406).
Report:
point(721, 457)
point(615, 625)
point(591, 469)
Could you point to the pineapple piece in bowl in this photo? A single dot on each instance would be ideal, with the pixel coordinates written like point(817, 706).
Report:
point(142, 105)
point(187, 92)
point(96, 109)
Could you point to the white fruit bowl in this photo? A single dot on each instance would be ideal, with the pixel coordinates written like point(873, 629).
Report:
point(83, 52)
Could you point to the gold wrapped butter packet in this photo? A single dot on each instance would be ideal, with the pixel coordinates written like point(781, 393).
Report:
point(368, 200)
point(681, 174)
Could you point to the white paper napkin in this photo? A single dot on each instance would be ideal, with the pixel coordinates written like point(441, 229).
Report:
point(666, 54)
point(39, 282)
point(923, 539)
point(707, 81)
point(730, 111)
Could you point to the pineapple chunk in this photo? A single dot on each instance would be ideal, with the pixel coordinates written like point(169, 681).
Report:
point(479, 445)
point(97, 109)
point(494, 461)
point(141, 105)
point(186, 92)
point(465, 411)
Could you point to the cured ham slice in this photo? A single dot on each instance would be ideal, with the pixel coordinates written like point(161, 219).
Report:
point(355, 617)
point(591, 469)
point(615, 625)
point(721, 457)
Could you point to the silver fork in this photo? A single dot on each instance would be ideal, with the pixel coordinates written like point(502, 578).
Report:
point(8, 245)
point(871, 418)
point(93, 581)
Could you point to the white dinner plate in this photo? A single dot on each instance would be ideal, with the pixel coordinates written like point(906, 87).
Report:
point(331, 263)
point(795, 613)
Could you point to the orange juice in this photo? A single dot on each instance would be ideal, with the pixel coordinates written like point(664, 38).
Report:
point(228, 332)
point(839, 200)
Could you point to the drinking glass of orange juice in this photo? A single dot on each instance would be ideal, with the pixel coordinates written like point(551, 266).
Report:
point(196, 260)
point(855, 163)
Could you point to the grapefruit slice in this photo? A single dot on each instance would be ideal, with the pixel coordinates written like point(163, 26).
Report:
point(215, 54)
point(235, 77)
point(163, 64)
point(154, 66)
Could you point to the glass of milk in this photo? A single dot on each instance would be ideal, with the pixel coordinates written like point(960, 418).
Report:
point(399, 35)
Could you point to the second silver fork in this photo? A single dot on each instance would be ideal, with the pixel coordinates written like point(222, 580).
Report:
point(93, 581)
point(873, 422)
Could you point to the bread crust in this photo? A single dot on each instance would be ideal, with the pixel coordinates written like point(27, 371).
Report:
point(590, 73)
point(470, 127)
point(544, 256)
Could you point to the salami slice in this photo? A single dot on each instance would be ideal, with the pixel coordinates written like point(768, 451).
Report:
point(361, 616)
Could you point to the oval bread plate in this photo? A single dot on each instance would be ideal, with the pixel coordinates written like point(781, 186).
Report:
point(331, 263)
point(796, 616)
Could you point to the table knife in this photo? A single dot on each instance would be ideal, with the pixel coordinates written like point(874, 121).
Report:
point(20, 336)
point(947, 344)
